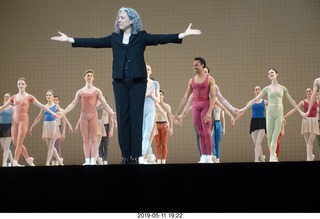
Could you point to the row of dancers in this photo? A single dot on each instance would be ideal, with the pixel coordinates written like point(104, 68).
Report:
point(157, 119)
point(267, 115)
point(16, 110)
point(95, 117)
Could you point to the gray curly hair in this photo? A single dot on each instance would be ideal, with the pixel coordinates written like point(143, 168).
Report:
point(133, 16)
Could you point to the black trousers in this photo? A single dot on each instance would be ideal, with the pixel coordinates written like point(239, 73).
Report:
point(129, 99)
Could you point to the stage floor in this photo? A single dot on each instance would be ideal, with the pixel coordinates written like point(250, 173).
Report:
point(224, 187)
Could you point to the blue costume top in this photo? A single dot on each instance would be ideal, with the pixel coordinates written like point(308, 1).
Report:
point(48, 116)
point(258, 110)
point(6, 116)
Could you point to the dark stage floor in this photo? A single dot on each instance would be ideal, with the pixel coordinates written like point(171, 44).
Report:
point(224, 187)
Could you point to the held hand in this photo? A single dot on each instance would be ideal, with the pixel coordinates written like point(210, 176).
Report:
point(190, 31)
point(178, 120)
point(70, 130)
point(236, 111)
point(110, 134)
point(232, 122)
point(58, 115)
point(303, 115)
point(207, 117)
point(114, 116)
point(62, 137)
point(284, 121)
point(240, 111)
point(76, 129)
point(63, 37)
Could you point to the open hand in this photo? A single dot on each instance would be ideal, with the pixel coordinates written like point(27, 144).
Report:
point(63, 37)
point(190, 31)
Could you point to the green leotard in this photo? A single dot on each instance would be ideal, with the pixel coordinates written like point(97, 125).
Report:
point(274, 115)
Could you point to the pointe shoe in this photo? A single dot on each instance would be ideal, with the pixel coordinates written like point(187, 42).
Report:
point(273, 159)
point(141, 160)
point(93, 161)
point(60, 161)
point(15, 164)
point(158, 161)
point(30, 161)
point(203, 159)
point(152, 159)
point(214, 158)
point(105, 162)
point(209, 159)
point(86, 163)
point(100, 162)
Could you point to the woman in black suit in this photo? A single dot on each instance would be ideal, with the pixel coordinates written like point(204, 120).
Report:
point(129, 74)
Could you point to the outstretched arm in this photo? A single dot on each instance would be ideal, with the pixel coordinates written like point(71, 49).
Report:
point(251, 102)
point(72, 104)
point(35, 122)
point(227, 112)
point(5, 105)
point(292, 111)
point(294, 104)
point(224, 101)
point(44, 108)
point(189, 32)
point(315, 90)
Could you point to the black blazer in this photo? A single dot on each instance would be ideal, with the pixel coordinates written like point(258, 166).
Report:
point(133, 52)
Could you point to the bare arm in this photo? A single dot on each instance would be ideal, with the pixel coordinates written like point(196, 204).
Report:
point(4, 106)
point(65, 122)
point(212, 96)
point(111, 125)
point(76, 129)
point(72, 104)
point(227, 112)
point(44, 108)
point(293, 110)
point(241, 113)
point(187, 107)
point(156, 95)
point(223, 122)
point(224, 101)
point(170, 120)
point(315, 90)
point(35, 122)
point(251, 102)
point(184, 98)
point(294, 104)
point(105, 105)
